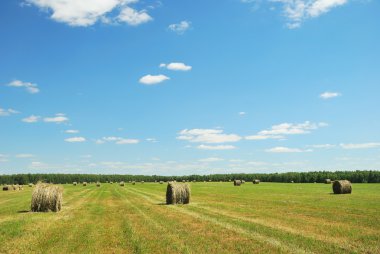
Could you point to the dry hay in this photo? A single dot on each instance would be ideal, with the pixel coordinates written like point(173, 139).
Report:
point(161, 182)
point(46, 197)
point(75, 183)
point(121, 183)
point(6, 188)
point(342, 187)
point(237, 182)
point(242, 181)
point(84, 183)
point(184, 181)
point(256, 181)
point(327, 181)
point(30, 185)
point(97, 184)
point(177, 193)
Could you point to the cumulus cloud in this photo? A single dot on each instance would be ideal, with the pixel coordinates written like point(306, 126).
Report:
point(71, 131)
point(181, 27)
point(216, 147)
point(282, 149)
point(176, 66)
point(117, 140)
point(153, 79)
point(30, 87)
point(75, 139)
point(207, 136)
point(8, 112)
point(280, 131)
point(31, 119)
point(329, 95)
point(58, 118)
point(360, 146)
point(88, 12)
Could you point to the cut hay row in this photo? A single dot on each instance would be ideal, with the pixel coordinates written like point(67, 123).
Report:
point(342, 187)
point(46, 197)
point(177, 193)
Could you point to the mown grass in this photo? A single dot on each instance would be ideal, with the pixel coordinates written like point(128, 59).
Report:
point(221, 218)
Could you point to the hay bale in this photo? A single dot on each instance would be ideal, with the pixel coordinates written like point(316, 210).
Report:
point(97, 184)
point(177, 193)
point(20, 187)
point(161, 182)
point(342, 187)
point(111, 182)
point(15, 187)
point(75, 183)
point(46, 197)
point(242, 181)
point(237, 182)
point(133, 182)
point(30, 185)
point(256, 181)
point(327, 181)
point(291, 181)
point(122, 183)
point(6, 188)
point(184, 181)
point(142, 181)
point(84, 183)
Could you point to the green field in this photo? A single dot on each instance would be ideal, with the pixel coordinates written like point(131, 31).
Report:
point(221, 218)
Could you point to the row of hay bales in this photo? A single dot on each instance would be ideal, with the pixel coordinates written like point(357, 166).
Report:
point(14, 187)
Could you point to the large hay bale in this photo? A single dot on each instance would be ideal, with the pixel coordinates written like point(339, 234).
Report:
point(84, 183)
point(177, 193)
point(237, 182)
point(46, 197)
point(97, 184)
point(75, 183)
point(122, 183)
point(327, 181)
point(342, 187)
point(6, 188)
point(256, 181)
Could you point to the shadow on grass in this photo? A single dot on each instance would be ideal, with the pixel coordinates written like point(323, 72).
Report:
point(24, 211)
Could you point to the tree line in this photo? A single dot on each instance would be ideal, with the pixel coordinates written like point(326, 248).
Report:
point(297, 177)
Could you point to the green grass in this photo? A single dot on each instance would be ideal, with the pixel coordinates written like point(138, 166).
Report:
point(221, 218)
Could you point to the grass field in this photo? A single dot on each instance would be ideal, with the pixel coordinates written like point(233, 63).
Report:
point(221, 218)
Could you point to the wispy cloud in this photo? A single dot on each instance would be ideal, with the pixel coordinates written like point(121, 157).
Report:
point(211, 159)
point(8, 112)
point(24, 155)
point(360, 146)
point(153, 79)
point(58, 118)
point(181, 27)
point(30, 87)
point(75, 139)
point(31, 119)
point(216, 147)
point(207, 136)
point(117, 140)
point(282, 149)
point(71, 131)
point(323, 146)
point(176, 66)
point(242, 113)
point(329, 95)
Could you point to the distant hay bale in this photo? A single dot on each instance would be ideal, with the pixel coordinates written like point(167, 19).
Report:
point(20, 187)
point(161, 182)
point(327, 181)
point(97, 184)
point(242, 181)
point(111, 182)
point(6, 188)
point(237, 182)
point(30, 185)
point(184, 181)
point(142, 181)
point(291, 181)
point(84, 183)
point(121, 183)
point(15, 187)
point(256, 181)
point(209, 180)
point(46, 197)
point(342, 187)
point(75, 183)
point(133, 182)
point(177, 193)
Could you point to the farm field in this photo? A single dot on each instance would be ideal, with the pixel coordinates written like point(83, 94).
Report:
point(221, 218)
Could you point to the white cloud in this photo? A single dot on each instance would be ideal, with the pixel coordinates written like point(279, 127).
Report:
point(8, 112)
point(133, 17)
point(360, 146)
point(242, 113)
point(24, 155)
point(152, 140)
point(281, 130)
point(207, 136)
point(75, 139)
point(217, 147)
point(153, 79)
point(282, 149)
point(323, 146)
point(58, 118)
point(211, 159)
point(71, 131)
point(3, 158)
point(117, 140)
point(176, 66)
point(181, 27)
point(329, 95)
point(88, 12)
point(31, 119)
point(30, 87)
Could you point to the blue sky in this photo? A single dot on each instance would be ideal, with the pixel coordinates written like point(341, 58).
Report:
point(183, 87)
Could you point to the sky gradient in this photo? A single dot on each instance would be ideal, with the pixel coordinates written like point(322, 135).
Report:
point(189, 87)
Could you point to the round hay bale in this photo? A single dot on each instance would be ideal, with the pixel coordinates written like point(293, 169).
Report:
point(46, 197)
point(161, 182)
point(291, 181)
point(237, 182)
point(177, 193)
point(209, 180)
point(6, 188)
point(97, 184)
point(75, 183)
point(256, 181)
point(242, 181)
point(184, 181)
point(133, 182)
point(15, 187)
point(122, 183)
point(342, 187)
point(327, 181)
point(111, 182)
point(30, 185)
point(84, 183)
point(142, 181)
